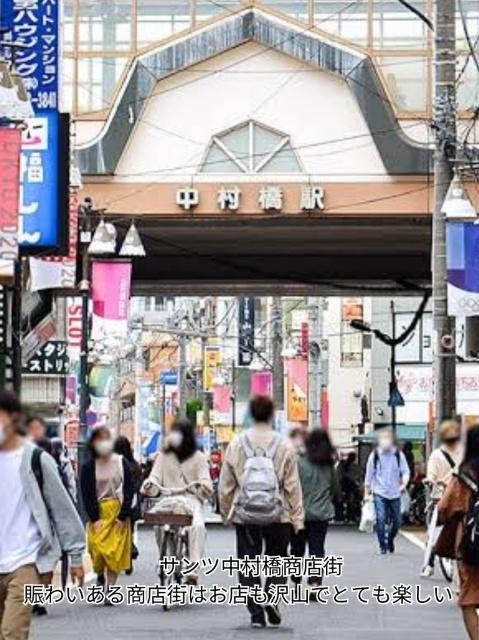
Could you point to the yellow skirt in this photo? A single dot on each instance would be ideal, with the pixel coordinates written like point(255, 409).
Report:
point(110, 546)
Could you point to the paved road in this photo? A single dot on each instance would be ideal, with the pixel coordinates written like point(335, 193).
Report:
point(305, 622)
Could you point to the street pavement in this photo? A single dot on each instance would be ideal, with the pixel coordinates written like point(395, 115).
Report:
point(353, 621)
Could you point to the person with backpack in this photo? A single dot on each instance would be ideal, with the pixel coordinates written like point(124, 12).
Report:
point(320, 486)
point(387, 476)
point(440, 467)
point(260, 492)
point(458, 511)
point(38, 520)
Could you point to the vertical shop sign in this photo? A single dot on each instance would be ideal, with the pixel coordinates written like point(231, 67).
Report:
point(246, 317)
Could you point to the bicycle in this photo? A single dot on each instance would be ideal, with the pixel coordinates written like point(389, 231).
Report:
point(445, 564)
point(171, 529)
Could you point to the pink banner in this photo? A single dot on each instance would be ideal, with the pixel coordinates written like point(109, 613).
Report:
point(111, 283)
point(297, 398)
point(222, 398)
point(262, 383)
point(10, 140)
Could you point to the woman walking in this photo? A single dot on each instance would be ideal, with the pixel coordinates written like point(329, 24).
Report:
point(320, 487)
point(458, 510)
point(107, 488)
point(180, 464)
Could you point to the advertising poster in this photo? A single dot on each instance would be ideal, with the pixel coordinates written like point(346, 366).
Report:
point(297, 389)
point(10, 140)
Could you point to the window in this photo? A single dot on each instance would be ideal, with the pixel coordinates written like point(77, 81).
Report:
point(251, 148)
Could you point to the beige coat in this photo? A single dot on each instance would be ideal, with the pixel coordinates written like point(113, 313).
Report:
point(286, 466)
point(169, 472)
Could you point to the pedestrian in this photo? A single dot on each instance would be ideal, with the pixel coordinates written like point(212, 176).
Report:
point(441, 464)
point(411, 462)
point(107, 489)
point(349, 474)
point(179, 464)
point(320, 487)
point(458, 511)
point(387, 476)
point(264, 517)
point(37, 521)
point(65, 467)
point(36, 429)
point(122, 447)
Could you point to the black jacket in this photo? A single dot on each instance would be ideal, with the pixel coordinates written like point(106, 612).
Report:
point(88, 491)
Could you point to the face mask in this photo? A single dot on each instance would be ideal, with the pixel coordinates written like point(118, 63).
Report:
point(3, 434)
point(385, 444)
point(175, 439)
point(104, 447)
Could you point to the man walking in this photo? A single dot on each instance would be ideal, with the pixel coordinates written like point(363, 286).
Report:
point(38, 520)
point(440, 467)
point(260, 492)
point(387, 476)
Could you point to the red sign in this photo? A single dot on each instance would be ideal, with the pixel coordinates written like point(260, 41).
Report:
point(10, 148)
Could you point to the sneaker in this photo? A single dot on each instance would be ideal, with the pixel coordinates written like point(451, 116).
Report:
point(258, 621)
point(381, 552)
point(427, 572)
point(273, 615)
point(39, 610)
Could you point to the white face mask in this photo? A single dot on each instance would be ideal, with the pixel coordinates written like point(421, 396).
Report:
point(386, 443)
point(3, 434)
point(175, 439)
point(104, 447)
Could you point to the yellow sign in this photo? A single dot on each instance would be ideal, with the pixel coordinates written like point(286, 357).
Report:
point(211, 364)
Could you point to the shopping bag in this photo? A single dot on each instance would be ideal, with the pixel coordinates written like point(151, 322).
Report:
point(405, 503)
point(368, 517)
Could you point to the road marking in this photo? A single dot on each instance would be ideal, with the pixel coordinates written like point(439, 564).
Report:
point(411, 537)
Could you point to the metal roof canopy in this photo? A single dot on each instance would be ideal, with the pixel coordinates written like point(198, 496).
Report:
point(295, 255)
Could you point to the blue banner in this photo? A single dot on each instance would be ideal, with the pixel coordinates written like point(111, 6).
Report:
point(34, 24)
point(463, 269)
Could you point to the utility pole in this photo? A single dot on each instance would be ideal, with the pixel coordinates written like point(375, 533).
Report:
point(182, 375)
point(17, 327)
point(277, 348)
point(314, 362)
point(444, 368)
point(84, 400)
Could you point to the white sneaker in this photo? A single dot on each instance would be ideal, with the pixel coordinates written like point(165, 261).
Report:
point(427, 572)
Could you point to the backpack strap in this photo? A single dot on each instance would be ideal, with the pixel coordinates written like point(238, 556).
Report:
point(449, 459)
point(247, 446)
point(468, 481)
point(36, 465)
point(272, 448)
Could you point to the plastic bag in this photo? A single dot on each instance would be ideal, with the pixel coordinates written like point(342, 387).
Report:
point(405, 503)
point(368, 517)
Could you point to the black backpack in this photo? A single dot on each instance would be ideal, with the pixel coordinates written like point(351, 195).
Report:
point(469, 546)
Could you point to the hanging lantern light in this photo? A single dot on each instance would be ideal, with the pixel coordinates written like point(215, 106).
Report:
point(457, 203)
point(132, 245)
point(103, 241)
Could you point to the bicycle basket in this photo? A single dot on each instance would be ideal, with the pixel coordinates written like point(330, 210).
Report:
point(160, 518)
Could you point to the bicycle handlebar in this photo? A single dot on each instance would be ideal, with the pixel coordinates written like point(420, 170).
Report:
point(167, 491)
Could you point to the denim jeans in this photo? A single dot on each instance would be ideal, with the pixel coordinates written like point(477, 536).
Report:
point(314, 534)
point(388, 520)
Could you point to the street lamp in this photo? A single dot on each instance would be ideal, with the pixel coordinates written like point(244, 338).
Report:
point(103, 243)
point(457, 203)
